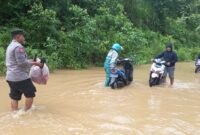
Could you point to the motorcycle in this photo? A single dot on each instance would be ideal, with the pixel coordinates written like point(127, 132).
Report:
point(156, 72)
point(124, 76)
point(197, 65)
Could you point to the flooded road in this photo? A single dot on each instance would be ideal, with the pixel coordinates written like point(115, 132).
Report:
point(76, 103)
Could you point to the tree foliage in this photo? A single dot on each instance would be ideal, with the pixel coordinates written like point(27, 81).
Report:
point(79, 33)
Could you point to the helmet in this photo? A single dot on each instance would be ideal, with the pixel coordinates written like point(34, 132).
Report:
point(117, 47)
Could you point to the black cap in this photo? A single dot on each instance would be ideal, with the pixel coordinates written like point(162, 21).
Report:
point(169, 45)
point(17, 31)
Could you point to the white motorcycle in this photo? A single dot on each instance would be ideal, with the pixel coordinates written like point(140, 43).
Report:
point(156, 72)
point(197, 64)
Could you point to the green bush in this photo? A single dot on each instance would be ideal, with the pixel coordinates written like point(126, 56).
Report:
point(183, 56)
point(2, 60)
point(74, 34)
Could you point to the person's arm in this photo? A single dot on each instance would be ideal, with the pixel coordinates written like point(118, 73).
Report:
point(160, 56)
point(22, 60)
point(21, 57)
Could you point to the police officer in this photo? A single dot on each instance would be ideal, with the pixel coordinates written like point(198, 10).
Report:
point(111, 61)
point(18, 67)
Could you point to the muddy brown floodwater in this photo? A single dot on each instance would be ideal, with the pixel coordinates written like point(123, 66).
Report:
point(76, 103)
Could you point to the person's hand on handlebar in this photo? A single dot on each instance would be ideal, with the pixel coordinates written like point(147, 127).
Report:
point(37, 64)
point(168, 63)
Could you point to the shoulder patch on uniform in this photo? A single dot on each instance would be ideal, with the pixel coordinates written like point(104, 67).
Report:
point(21, 50)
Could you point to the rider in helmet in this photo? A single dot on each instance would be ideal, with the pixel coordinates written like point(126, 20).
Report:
point(110, 64)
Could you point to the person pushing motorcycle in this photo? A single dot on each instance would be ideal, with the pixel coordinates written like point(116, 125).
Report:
point(171, 58)
point(110, 64)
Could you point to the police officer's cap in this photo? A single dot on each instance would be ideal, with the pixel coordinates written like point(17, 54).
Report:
point(17, 31)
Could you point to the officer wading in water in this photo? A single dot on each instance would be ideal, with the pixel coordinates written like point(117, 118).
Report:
point(110, 64)
point(18, 67)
